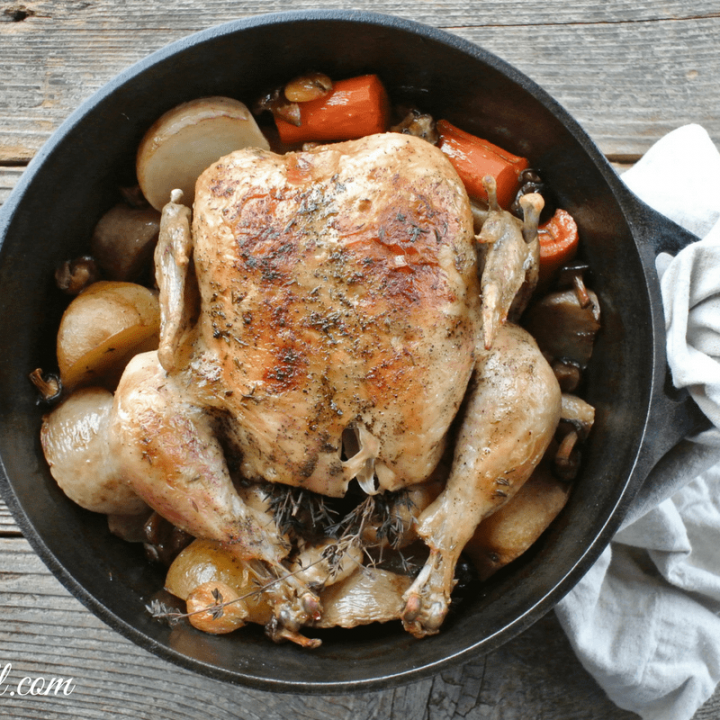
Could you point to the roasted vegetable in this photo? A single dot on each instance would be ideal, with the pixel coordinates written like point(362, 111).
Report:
point(510, 531)
point(102, 328)
point(189, 138)
point(124, 240)
point(353, 109)
point(74, 440)
point(558, 243)
point(475, 158)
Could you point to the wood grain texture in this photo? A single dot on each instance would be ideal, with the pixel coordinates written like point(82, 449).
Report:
point(8, 177)
point(7, 523)
point(628, 73)
point(45, 632)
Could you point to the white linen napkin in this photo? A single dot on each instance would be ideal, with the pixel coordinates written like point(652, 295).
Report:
point(645, 619)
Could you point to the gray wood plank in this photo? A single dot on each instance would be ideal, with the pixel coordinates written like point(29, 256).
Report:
point(44, 632)
point(627, 84)
point(7, 524)
point(8, 178)
point(628, 73)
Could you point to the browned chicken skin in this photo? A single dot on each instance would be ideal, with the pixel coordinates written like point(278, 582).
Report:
point(330, 298)
point(338, 291)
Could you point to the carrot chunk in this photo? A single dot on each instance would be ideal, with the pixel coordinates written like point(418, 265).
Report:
point(474, 158)
point(558, 239)
point(353, 109)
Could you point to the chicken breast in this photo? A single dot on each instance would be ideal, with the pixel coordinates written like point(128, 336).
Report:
point(339, 299)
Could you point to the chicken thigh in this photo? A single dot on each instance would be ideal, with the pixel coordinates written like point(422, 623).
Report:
point(512, 412)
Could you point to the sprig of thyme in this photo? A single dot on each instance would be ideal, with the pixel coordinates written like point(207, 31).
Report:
point(295, 508)
point(390, 525)
point(217, 610)
point(161, 611)
point(292, 507)
point(378, 511)
point(353, 525)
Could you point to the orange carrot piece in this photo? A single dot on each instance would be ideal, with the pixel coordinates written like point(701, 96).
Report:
point(558, 239)
point(474, 158)
point(353, 109)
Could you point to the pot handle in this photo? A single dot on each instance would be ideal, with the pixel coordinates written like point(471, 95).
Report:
point(655, 231)
point(673, 414)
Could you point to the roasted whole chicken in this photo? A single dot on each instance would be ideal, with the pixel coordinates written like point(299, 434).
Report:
point(323, 322)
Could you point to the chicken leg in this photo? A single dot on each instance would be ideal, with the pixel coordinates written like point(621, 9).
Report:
point(167, 451)
point(512, 412)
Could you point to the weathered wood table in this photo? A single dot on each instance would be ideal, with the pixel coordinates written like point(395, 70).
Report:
point(629, 71)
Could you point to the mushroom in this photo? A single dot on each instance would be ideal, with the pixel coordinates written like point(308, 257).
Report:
point(73, 276)
point(307, 87)
point(419, 124)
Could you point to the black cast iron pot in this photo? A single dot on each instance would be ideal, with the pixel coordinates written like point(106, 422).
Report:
point(50, 216)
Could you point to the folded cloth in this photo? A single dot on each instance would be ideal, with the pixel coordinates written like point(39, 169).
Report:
point(645, 619)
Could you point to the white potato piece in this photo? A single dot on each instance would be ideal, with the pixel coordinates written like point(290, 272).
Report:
point(189, 138)
point(74, 440)
point(103, 328)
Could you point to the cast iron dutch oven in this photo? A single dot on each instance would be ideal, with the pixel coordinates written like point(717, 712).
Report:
point(50, 216)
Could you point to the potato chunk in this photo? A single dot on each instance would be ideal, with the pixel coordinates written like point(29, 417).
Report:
point(103, 328)
point(124, 239)
point(189, 138)
point(509, 532)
